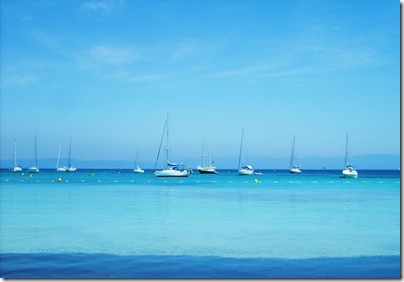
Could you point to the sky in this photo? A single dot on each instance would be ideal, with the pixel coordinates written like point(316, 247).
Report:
point(106, 73)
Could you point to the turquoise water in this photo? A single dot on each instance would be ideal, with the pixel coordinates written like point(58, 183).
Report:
point(314, 215)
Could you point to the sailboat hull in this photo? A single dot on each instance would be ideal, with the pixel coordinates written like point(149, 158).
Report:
point(16, 169)
point(171, 173)
point(33, 169)
point(295, 170)
point(138, 170)
point(245, 172)
point(349, 173)
point(207, 170)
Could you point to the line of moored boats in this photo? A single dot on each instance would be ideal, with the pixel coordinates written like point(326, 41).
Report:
point(171, 169)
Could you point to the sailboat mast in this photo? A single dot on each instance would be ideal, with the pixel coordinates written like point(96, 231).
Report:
point(70, 150)
point(167, 146)
point(15, 153)
point(346, 151)
point(241, 155)
point(292, 154)
point(60, 150)
point(161, 142)
point(203, 158)
point(137, 151)
point(209, 157)
point(36, 155)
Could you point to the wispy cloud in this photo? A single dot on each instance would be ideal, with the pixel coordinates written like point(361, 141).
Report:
point(46, 39)
point(242, 71)
point(114, 55)
point(129, 77)
point(102, 5)
point(307, 60)
point(189, 49)
point(19, 80)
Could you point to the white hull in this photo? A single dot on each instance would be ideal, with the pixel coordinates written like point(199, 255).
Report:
point(207, 169)
point(245, 172)
point(33, 169)
point(295, 170)
point(16, 169)
point(171, 173)
point(138, 170)
point(71, 169)
point(61, 169)
point(349, 173)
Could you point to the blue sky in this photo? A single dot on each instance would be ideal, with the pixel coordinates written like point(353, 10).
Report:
point(107, 72)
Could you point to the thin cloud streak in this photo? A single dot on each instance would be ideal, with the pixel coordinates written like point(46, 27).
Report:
point(114, 55)
point(104, 6)
point(189, 49)
point(19, 80)
point(334, 59)
point(127, 77)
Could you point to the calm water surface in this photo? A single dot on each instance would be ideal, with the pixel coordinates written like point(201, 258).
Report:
point(114, 223)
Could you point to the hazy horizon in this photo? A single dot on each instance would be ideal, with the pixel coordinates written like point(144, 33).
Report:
point(259, 162)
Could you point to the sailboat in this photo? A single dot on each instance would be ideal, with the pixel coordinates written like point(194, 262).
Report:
point(137, 168)
point(292, 167)
point(34, 168)
point(63, 168)
point(349, 171)
point(206, 166)
point(70, 168)
point(242, 168)
point(16, 167)
point(170, 169)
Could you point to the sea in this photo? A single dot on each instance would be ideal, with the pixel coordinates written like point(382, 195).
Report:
point(118, 224)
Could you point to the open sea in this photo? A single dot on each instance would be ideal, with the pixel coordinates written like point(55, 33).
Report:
point(118, 224)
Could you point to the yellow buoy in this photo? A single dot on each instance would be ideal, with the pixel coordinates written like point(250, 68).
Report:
point(256, 180)
point(92, 174)
point(59, 179)
point(30, 175)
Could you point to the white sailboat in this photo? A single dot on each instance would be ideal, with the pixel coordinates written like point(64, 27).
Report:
point(292, 167)
point(349, 171)
point(34, 168)
point(137, 168)
point(63, 168)
point(70, 168)
point(16, 167)
point(170, 169)
point(206, 166)
point(242, 168)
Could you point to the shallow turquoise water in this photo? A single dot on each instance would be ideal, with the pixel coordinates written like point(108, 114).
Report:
point(312, 215)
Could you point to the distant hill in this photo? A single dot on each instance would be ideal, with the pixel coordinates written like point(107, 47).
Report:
point(314, 162)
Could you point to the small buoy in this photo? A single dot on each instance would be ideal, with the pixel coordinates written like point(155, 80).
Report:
point(59, 179)
point(92, 174)
point(30, 175)
point(256, 180)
